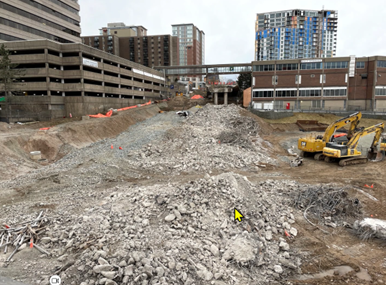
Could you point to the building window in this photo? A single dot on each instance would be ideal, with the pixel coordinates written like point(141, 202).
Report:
point(360, 64)
point(380, 91)
point(381, 63)
point(289, 66)
point(311, 65)
point(322, 78)
point(263, 93)
point(275, 79)
point(266, 67)
point(335, 92)
point(315, 104)
point(298, 79)
point(286, 93)
point(335, 65)
point(310, 92)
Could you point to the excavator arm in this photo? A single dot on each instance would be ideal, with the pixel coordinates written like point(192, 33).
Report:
point(352, 119)
point(378, 129)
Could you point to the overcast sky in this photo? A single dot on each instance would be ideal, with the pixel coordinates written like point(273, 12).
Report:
point(229, 25)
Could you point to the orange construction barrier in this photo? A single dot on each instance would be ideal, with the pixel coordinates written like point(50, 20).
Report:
point(197, 97)
point(44, 129)
point(109, 113)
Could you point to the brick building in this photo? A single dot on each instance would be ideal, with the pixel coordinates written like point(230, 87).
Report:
point(342, 83)
point(146, 50)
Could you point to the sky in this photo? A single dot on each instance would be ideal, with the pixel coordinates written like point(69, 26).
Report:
point(229, 25)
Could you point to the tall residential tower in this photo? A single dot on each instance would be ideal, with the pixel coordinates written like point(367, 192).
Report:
point(56, 20)
point(191, 45)
point(291, 34)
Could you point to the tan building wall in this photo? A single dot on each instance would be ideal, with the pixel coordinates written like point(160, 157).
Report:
point(49, 20)
point(247, 97)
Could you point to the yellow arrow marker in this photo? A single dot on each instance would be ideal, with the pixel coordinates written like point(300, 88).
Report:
point(238, 215)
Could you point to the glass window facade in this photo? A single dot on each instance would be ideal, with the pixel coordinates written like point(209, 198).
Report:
point(263, 94)
point(288, 66)
point(310, 92)
point(37, 19)
point(286, 93)
point(5, 37)
point(266, 67)
point(311, 65)
point(32, 30)
point(335, 65)
point(380, 91)
point(334, 92)
point(360, 64)
point(381, 63)
point(51, 12)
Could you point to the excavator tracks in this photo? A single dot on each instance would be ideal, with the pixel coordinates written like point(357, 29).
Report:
point(319, 156)
point(352, 161)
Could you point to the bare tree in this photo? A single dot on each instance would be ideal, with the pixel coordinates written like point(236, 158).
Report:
point(9, 77)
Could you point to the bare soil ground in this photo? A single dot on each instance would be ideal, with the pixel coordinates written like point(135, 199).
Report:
point(325, 251)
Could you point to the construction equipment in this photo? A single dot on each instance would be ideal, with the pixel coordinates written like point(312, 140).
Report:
point(348, 154)
point(314, 145)
point(383, 142)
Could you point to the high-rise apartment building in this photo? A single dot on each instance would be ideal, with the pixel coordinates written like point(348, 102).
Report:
point(56, 20)
point(291, 34)
point(121, 30)
point(155, 50)
point(191, 42)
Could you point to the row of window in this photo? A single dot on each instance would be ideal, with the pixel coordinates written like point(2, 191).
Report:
point(65, 6)
point(302, 93)
point(311, 65)
point(7, 38)
point(51, 12)
point(381, 63)
point(32, 30)
point(380, 91)
point(37, 19)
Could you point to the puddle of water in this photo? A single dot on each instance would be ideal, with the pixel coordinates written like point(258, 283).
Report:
point(341, 270)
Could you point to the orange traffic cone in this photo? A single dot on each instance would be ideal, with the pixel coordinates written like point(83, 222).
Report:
point(120, 148)
point(372, 185)
point(112, 147)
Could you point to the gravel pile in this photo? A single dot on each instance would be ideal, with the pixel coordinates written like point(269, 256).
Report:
point(214, 138)
point(171, 234)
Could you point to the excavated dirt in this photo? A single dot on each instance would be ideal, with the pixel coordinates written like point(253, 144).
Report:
point(160, 210)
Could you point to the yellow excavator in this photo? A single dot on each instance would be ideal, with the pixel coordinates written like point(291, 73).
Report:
point(383, 142)
point(349, 155)
point(312, 145)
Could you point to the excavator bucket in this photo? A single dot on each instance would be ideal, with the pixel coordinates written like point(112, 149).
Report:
point(376, 155)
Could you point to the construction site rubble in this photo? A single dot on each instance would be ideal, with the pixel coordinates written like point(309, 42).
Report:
point(328, 205)
point(370, 228)
point(177, 234)
point(215, 137)
point(14, 239)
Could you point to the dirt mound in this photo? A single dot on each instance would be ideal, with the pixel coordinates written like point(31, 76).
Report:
point(60, 140)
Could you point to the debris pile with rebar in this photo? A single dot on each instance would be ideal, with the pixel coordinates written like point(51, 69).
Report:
point(14, 239)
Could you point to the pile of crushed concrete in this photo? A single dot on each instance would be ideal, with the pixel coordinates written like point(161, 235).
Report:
point(213, 138)
point(171, 234)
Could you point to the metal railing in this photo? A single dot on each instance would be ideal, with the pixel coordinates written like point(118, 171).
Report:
point(321, 110)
